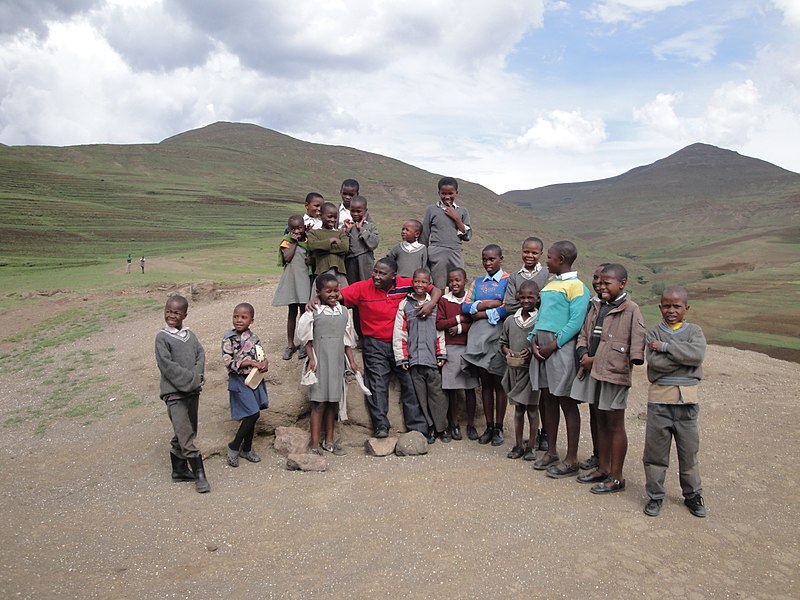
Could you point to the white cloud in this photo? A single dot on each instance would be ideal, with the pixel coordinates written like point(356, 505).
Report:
point(660, 116)
point(564, 130)
point(791, 11)
point(698, 45)
point(628, 11)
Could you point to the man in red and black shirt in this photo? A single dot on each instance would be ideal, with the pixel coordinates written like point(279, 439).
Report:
point(377, 300)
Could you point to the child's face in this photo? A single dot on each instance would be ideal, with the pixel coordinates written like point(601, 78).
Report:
point(242, 319)
point(347, 194)
point(312, 207)
point(297, 229)
point(492, 261)
point(409, 233)
point(420, 283)
point(174, 314)
point(329, 294)
point(447, 194)
point(673, 308)
point(528, 299)
point(329, 218)
point(357, 212)
point(456, 283)
point(596, 280)
point(554, 261)
point(531, 253)
point(609, 287)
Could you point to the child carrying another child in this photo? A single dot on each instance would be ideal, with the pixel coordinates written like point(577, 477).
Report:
point(327, 334)
point(241, 352)
point(181, 360)
point(675, 352)
point(516, 348)
point(409, 254)
point(562, 311)
point(420, 348)
point(444, 227)
point(328, 246)
point(455, 325)
point(294, 286)
point(611, 341)
point(485, 306)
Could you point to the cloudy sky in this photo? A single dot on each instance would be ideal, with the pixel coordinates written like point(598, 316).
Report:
point(512, 94)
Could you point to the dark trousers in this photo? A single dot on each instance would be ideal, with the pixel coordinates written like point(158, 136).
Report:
point(379, 365)
point(663, 422)
point(183, 415)
point(428, 386)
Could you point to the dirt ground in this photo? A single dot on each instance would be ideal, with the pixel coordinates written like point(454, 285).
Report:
point(89, 510)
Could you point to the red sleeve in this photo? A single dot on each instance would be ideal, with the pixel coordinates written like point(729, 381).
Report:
point(352, 293)
point(442, 320)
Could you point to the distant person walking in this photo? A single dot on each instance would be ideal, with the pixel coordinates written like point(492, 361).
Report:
point(141, 264)
point(128, 262)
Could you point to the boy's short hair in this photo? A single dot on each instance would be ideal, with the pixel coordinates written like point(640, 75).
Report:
point(421, 271)
point(294, 219)
point(529, 284)
point(311, 195)
point(327, 206)
point(248, 306)
point(567, 250)
point(617, 271)
point(358, 200)
point(457, 270)
point(492, 248)
point(534, 240)
point(677, 290)
point(417, 223)
point(179, 300)
point(447, 181)
point(324, 279)
point(389, 262)
point(350, 183)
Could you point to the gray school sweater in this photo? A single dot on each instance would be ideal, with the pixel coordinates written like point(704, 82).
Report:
point(680, 361)
point(182, 363)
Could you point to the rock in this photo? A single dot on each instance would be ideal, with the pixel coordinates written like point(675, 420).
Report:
point(211, 547)
point(412, 443)
point(306, 462)
point(380, 447)
point(291, 440)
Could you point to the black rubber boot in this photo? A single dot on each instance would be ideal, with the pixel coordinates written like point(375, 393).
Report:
point(200, 481)
point(180, 469)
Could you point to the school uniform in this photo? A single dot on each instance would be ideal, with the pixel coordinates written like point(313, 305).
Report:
point(449, 314)
point(409, 257)
point(294, 286)
point(360, 258)
point(444, 241)
point(539, 275)
point(517, 380)
point(483, 341)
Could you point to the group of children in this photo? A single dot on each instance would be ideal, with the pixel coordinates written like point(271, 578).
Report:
point(534, 338)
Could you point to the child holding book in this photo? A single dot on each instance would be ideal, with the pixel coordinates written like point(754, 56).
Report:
point(420, 348)
point(455, 325)
point(675, 353)
point(610, 342)
point(181, 360)
point(327, 335)
point(242, 352)
point(515, 346)
point(294, 286)
point(409, 254)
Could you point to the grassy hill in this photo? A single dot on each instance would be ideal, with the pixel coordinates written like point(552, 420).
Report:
point(726, 225)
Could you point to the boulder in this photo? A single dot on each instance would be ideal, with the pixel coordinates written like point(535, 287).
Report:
point(380, 446)
point(291, 440)
point(412, 443)
point(306, 462)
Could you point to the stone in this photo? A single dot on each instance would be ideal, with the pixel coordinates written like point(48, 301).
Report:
point(380, 447)
point(412, 443)
point(306, 462)
point(291, 440)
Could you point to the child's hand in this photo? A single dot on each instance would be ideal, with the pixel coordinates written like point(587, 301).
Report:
point(525, 353)
point(348, 225)
point(440, 362)
point(312, 363)
point(334, 241)
point(452, 213)
point(487, 304)
point(425, 310)
point(309, 226)
point(453, 330)
point(405, 366)
point(654, 345)
point(262, 366)
point(587, 362)
point(295, 235)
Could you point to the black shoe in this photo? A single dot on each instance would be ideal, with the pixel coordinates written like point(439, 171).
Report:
point(590, 463)
point(381, 432)
point(543, 445)
point(455, 433)
point(431, 436)
point(530, 454)
point(472, 433)
point(696, 505)
point(200, 481)
point(445, 437)
point(497, 438)
point(652, 508)
point(487, 435)
point(516, 452)
point(180, 469)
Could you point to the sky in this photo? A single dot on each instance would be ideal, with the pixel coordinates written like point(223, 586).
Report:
point(515, 94)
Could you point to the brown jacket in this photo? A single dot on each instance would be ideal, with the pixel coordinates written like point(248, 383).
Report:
point(621, 343)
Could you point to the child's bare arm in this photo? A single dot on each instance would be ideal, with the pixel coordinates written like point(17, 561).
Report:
point(348, 352)
point(312, 359)
point(288, 252)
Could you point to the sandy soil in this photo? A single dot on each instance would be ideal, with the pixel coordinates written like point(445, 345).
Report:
point(89, 510)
